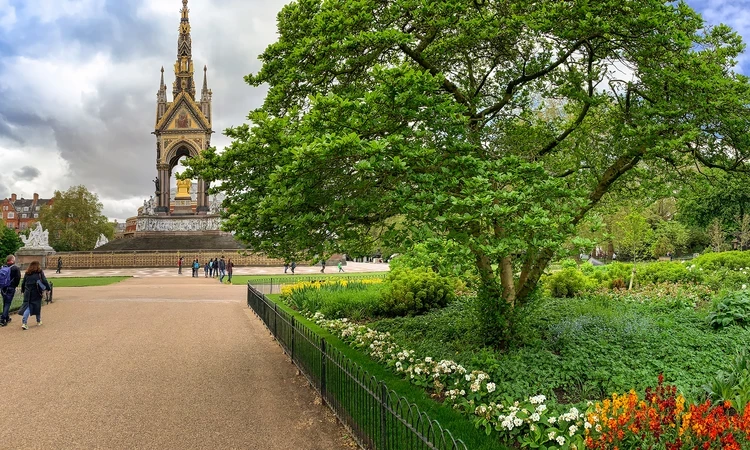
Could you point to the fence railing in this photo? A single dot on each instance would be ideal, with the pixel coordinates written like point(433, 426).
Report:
point(272, 285)
point(377, 417)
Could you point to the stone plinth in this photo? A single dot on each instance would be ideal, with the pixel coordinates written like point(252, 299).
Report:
point(26, 256)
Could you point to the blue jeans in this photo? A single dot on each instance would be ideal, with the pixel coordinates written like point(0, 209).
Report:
point(222, 274)
point(8, 294)
point(27, 313)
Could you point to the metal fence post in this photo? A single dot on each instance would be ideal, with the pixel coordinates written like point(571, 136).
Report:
point(275, 316)
point(383, 416)
point(294, 332)
point(323, 369)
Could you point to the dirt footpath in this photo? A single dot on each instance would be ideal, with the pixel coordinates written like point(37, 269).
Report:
point(163, 363)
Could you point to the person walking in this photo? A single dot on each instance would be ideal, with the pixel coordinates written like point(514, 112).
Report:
point(205, 270)
point(210, 268)
point(196, 267)
point(59, 264)
point(322, 266)
point(222, 269)
point(341, 269)
point(31, 287)
point(293, 266)
point(179, 266)
point(10, 277)
point(286, 266)
point(230, 269)
point(216, 267)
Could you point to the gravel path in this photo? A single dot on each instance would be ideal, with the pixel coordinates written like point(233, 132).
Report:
point(155, 363)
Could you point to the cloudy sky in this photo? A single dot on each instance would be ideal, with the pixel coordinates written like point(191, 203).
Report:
point(78, 82)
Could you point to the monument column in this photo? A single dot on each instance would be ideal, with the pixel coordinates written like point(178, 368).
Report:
point(202, 200)
point(163, 193)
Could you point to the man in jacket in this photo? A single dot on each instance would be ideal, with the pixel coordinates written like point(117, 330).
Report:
point(222, 269)
point(9, 291)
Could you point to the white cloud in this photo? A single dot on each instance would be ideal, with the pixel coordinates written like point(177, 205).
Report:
point(7, 15)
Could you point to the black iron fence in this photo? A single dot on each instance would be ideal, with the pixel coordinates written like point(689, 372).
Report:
point(377, 417)
point(273, 285)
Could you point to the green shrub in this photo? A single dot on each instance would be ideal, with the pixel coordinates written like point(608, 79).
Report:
point(732, 308)
point(410, 292)
point(667, 272)
point(354, 300)
point(734, 260)
point(569, 283)
point(613, 276)
point(726, 278)
point(568, 264)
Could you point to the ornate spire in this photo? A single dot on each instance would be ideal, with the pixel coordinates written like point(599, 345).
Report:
point(183, 68)
point(162, 94)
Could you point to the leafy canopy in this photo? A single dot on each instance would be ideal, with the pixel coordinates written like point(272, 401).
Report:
point(74, 220)
point(497, 125)
point(9, 242)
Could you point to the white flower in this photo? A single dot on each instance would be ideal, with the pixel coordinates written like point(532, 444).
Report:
point(744, 286)
point(551, 420)
point(534, 417)
point(560, 440)
point(428, 360)
point(586, 425)
point(490, 387)
point(551, 435)
point(541, 408)
point(537, 399)
point(572, 430)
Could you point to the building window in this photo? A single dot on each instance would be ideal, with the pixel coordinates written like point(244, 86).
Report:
point(25, 208)
point(24, 216)
point(11, 215)
point(23, 225)
point(9, 225)
point(36, 216)
point(5, 207)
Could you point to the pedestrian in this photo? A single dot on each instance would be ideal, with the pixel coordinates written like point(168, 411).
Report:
point(205, 270)
point(210, 268)
point(222, 269)
point(196, 267)
point(33, 286)
point(230, 269)
point(293, 266)
point(286, 266)
point(10, 277)
point(179, 266)
point(216, 267)
point(614, 256)
point(341, 269)
point(322, 266)
point(59, 264)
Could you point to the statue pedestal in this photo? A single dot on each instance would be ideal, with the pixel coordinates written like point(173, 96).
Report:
point(183, 206)
point(27, 255)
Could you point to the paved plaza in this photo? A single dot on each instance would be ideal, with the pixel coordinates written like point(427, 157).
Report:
point(350, 267)
point(152, 363)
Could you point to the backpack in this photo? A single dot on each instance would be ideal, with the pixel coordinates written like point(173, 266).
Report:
point(4, 277)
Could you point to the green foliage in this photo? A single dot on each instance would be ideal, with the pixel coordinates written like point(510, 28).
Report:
point(734, 260)
point(356, 301)
point(732, 385)
point(669, 236)
point(415, 291)
point(420, 111)
point(9, 242)
point(444, 257)
point(613, 275)
point(731, 308)
point(74, 220)
point(668, 272)
point(633, 236)
point(714, 194)
point(569, 283)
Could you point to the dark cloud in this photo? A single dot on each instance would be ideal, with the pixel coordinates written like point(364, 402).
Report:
point(27, 173)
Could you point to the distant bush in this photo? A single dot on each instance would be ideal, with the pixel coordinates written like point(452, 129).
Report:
point(356, 300)
point(410, 292)
point(667, 272)
point(569, 283)
point(613, 276)
point(734, 260)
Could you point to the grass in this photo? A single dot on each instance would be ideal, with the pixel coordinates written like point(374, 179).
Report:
point(84, 281)
point(289, 278)
point(459, 426)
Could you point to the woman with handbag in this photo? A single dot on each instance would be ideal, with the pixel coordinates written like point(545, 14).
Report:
point(33, 286)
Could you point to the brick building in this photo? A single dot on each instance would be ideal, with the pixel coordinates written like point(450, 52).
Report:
point(20, 213)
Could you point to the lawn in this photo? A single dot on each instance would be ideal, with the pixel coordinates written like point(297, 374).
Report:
point(289, 278)
point(70, 282)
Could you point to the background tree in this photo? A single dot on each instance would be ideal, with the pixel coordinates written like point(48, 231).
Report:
point(743, 233)
point(431, 111)
point(711, 194)
point(717, 235)
point(74, 220)
point(9, 242)
point(634, 237)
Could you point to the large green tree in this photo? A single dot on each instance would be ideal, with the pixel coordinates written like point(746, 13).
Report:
point(74, 220)
point(495, 124)
point(9, 242)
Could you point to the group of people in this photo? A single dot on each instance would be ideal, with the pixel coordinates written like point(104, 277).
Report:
point(213, 268)
point(33, 285)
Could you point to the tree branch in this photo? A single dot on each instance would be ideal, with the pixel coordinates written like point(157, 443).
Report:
point(447, 84)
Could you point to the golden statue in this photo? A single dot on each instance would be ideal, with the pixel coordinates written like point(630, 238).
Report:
point(183, 189)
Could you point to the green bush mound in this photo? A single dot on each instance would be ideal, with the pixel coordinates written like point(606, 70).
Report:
point(734, 260)
point(667, 272)
point(569, 282)
point(410, 292)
